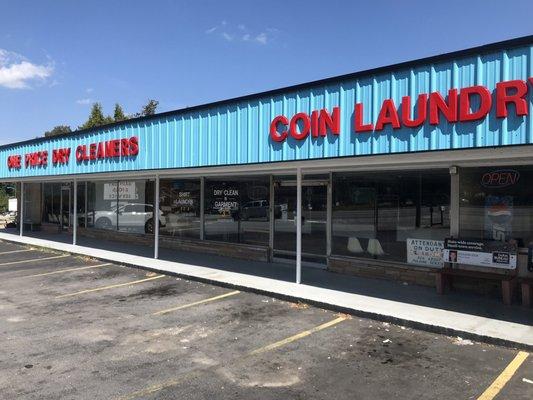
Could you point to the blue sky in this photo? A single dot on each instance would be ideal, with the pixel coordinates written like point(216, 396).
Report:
point(57, 57)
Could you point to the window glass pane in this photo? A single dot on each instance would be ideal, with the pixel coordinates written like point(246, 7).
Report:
point(496, 204)
point(375, 213)
point(48, 204)
point(136, 206)
point(314, 210)
point(56, 202)
point(231, 214)
point(81, 204)
point(32, 204)
point(180, 207)
point(102, 204)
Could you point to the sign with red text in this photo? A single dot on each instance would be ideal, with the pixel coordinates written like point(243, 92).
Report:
point(84, 153)
point(457, 106)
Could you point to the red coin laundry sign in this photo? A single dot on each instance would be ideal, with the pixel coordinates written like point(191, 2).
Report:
point(128, 147)
point(431, 107)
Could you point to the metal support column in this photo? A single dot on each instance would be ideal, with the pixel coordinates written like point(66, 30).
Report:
point(329, 213)
point(155, 217)
point(454, 201)
point(202, 210)
point(298, 225)
point(86, 213)
point(75, 212)
point(21, 216)
point(271, 217)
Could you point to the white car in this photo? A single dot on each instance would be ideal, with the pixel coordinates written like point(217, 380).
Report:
point(131, 217)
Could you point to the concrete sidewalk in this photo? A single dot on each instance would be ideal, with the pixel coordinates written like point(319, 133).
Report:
point(474, 317)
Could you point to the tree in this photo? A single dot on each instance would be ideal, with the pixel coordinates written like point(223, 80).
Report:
point(7, 191)
point(58, 130)
point(149, 108)
point(118, 114)
point(4, 198)
point(96, 118)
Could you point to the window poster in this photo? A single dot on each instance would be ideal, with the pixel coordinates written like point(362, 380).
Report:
point(498, 217)
point(425, 252)
point(481, 253)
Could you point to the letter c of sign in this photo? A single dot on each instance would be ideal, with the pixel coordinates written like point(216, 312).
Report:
point(274, 134)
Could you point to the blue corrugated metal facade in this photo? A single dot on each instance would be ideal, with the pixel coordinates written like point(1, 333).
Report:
point(238, 132)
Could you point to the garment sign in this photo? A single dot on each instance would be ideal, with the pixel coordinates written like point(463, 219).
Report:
point(125, 190)
point(226, 199)
point(481, 253)
point(425, 252)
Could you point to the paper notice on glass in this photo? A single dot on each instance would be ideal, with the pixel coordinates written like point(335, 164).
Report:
point(425, 252)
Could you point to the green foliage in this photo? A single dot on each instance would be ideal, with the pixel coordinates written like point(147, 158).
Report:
point(4, 196)
point(149, 108)
point(118, 114)
point(58, 130)
point(96, 118)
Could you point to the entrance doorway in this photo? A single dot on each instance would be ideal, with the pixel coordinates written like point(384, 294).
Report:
point(314, 220)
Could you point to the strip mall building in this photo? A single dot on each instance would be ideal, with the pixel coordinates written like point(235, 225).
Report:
point(366, 173)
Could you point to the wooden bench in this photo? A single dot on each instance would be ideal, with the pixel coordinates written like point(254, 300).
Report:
point(526, 285)
point(444, 280)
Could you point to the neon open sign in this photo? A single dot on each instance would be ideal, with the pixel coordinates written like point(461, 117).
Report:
point(500, 178)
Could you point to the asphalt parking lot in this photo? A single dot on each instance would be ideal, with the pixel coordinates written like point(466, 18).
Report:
point(76, 328)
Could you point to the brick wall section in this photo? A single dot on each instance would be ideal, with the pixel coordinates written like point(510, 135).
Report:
point(375, 269)
point(410, 274)
point(233, 250)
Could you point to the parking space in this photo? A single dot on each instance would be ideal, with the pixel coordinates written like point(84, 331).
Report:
point(84, 329)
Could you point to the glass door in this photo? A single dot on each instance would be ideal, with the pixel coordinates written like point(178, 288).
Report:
point(314, 220)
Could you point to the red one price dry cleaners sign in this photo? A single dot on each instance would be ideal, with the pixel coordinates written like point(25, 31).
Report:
point(83, 153)
point(431, 107)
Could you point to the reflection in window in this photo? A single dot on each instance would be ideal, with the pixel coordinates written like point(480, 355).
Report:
point(496, 204)
point(102, 204)
point(180, 208)
point(121, 205)
point(375, 213)
point(136, 206)
point(237, 210)
point(50, 208)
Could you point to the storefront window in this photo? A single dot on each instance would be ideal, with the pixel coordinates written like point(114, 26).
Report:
point(496, 203)
point(179, 201)
point(80, 212)
point(32, 205)
point(378, 215)
point(127, 206)
point(51, 204)
point(136, 206)
point(237, 210)
point(102, 204)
